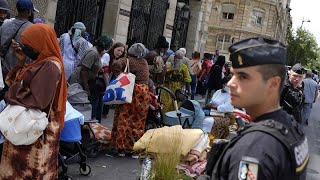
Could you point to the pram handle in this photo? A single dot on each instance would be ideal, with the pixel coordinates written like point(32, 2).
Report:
point(168, 91)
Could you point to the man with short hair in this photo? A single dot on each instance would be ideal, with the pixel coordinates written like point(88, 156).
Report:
point(310, 93)
point(292, 95)
point(261, 149)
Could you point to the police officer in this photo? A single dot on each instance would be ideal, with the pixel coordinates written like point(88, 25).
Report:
point(263, 149)
point(292, 96)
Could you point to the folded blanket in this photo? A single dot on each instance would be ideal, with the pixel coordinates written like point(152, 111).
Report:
point(193, 170)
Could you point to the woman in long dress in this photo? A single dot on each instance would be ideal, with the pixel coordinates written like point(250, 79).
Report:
point(129, 119)
point(36, 85)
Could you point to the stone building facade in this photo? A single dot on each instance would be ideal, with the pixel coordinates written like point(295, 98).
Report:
point(209, 25)
point(117, 15)
point(231, 21)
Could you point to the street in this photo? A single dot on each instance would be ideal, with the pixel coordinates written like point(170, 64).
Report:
point(105, 167)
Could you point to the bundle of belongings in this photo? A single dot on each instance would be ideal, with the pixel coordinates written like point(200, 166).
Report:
point(194, 163)
point(193, 150)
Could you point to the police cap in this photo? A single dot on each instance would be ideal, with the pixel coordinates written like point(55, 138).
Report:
point(298, 68)
point(257, 51)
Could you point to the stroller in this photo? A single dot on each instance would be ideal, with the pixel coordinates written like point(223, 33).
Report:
point(70, 145)
point(189, 115)
point(78, 98)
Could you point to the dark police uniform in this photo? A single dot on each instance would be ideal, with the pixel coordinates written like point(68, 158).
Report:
point(261, 155)
point(272, 147)
point(292, 100)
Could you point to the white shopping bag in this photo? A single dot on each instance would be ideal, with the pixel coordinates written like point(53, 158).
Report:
point(120, 90)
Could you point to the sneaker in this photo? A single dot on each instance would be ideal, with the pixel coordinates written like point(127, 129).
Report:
point(121, 154)
point(135, 156)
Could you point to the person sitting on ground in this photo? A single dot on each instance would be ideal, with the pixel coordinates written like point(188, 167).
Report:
point(220, 103)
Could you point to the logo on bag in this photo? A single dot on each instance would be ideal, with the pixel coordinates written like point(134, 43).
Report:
point(124, 81)
point(117, 93)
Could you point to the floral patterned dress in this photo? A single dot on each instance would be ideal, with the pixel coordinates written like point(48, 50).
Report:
point(174, 80)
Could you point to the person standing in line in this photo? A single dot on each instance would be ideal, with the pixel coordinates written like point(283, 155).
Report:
point(87, 74)
point(204, 74)
point(73, 47)
point(116, 52)
point(12, 30)
point(261, 149)
point(194, 66)
point(215, 78)
point(4, 8)
point(310, 92)
point(292, 98)
point(157, 74)
point(30, 87)
point(130, 118)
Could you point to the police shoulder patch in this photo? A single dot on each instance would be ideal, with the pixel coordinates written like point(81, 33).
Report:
point(248, 168)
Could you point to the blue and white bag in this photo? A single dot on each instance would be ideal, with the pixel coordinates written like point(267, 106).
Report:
point(120, 90)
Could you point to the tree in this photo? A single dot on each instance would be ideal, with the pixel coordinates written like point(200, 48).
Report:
point(302, 48)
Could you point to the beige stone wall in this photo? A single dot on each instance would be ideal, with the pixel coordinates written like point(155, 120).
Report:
point(273, 25)
point(46, 9)
point(170, 20)
point(200, 12)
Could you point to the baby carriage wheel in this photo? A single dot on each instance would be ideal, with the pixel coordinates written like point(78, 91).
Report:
point(85, 171)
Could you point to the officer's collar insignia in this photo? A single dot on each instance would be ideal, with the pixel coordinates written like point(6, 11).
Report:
point(240, 61)
point(248, 168)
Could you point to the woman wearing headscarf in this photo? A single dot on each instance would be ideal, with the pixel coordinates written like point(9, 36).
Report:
point(73, 47)
point(177, 77)
point(215, 77)
point(129, 119)
point(30, 87)
point(89, 74)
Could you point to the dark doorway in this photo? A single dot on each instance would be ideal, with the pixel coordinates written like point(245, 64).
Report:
point(147, 21)
point(90, 12)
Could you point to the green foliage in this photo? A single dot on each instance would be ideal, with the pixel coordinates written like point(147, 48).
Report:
point(302, 48)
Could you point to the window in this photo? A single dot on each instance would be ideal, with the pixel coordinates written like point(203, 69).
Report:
point(228, 11)
point(224, 41)
point(227, 15)
point(257, 16)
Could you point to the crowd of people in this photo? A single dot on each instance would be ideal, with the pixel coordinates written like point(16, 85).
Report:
point(31, 52)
